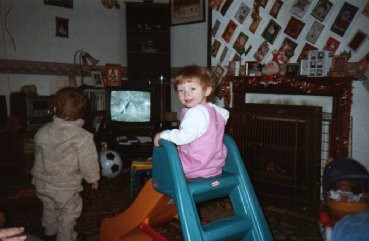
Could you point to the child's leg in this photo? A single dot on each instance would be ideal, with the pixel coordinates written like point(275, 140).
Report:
point(49, 213)
point(70, 205)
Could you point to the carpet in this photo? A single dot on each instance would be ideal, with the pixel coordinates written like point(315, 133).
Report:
point(22, 208)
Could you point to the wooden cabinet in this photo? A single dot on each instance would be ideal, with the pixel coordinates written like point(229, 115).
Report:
point(148, 40)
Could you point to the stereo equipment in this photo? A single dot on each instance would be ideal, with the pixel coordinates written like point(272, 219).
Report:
point(32, 111)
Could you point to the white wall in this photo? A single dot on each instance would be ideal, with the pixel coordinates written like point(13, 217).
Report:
point(101, 32)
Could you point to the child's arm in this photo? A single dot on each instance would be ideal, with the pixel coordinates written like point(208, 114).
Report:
point(193, 125)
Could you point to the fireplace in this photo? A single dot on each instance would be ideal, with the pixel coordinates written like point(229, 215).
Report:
point(281, 144)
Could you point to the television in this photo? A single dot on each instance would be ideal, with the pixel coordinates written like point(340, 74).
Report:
point(129, 109)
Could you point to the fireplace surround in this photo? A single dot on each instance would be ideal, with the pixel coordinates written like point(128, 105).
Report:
point(234, 89)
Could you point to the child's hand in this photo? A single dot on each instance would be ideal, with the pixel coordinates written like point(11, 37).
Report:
point(12, 234)
point(95, 186)
point(156, 139)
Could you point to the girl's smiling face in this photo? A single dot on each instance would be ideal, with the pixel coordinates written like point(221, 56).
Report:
point(191, 93)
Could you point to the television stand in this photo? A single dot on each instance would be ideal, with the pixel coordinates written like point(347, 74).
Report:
point(129, 147)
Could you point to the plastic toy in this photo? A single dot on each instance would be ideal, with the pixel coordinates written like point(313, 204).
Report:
point(248, 221)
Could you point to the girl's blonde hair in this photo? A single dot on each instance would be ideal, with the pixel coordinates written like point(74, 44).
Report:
point(194, 73)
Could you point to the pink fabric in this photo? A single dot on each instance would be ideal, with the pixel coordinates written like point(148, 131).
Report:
point(205, 156)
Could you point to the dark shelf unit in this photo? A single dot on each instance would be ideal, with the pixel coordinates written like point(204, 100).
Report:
point(148, 41)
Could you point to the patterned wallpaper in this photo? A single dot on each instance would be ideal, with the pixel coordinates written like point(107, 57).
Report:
point(244, 33)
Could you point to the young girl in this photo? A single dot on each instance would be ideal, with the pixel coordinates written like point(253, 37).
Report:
point(65, 153)
point(200, 134)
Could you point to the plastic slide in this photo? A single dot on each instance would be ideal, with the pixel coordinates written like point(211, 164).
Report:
point(150, 207)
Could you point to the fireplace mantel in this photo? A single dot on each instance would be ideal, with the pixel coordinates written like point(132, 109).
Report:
point(339, 88)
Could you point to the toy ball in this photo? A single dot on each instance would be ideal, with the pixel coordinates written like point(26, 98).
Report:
point(111, 163)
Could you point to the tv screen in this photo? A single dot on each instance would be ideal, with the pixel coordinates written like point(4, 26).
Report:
point(130, 106)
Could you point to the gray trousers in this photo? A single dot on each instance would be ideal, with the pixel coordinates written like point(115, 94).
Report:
point(60, 212)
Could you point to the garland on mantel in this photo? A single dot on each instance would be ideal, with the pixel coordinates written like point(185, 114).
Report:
point(48, 68)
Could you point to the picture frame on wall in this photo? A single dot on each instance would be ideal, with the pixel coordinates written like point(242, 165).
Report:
point(271, 31)
point(321, 10)
point(275, 8)
point(344, 18)
point(294, 27)
point(186, 12)
point(61, 27)
point(60, 3)
point(97, 77)
point(113, 75)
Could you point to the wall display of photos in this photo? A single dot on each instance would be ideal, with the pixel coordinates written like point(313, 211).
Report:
point(240, 32)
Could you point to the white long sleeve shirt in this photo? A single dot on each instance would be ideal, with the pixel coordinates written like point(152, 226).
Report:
point(193, 125)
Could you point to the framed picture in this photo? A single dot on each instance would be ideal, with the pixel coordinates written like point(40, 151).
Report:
point(314, 32)
point(229, 30)
point(97, 77)
point(271, 31)
point(331, 44)
point(251, 68)
point(321, 10)
point(239, 44)
point(113, 75)
point(344, 18)
point(185, 12)
point(218, 72)
point(294, 27)
point(292, 70)
point(60, 3)
point(242, 13)
point(299, 7)
point(275, 8)
point(340, 65)
point(357, 40)
point(61, 27)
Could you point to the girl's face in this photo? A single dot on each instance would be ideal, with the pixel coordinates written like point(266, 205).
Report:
point(192, 93)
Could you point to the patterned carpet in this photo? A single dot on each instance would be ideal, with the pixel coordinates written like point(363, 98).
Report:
point(24, 209)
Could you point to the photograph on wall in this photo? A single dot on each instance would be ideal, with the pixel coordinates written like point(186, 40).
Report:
point(321, 9)
point(215, 48)
point(218, 72)
point(287, 49)
point(223, 55)
point(332, 44)
point(215, 4)
point(225, 6)
point(215, 28)
point(300, 7)
point(229, 31)
point(185, 12)
point(357, 40)
point(239, 44)
point(263, 3)
point(365, 11)
point(61, 27)
point(305, 51)
point(261, 51)
point(255, 24)
point(271, 31)
point(294, 27)
point(60, 3)
point(344, 18)
point(275, 8)
point(242, 13)
point(314, 32)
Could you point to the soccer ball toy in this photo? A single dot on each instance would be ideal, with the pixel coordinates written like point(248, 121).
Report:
point(111, 163)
